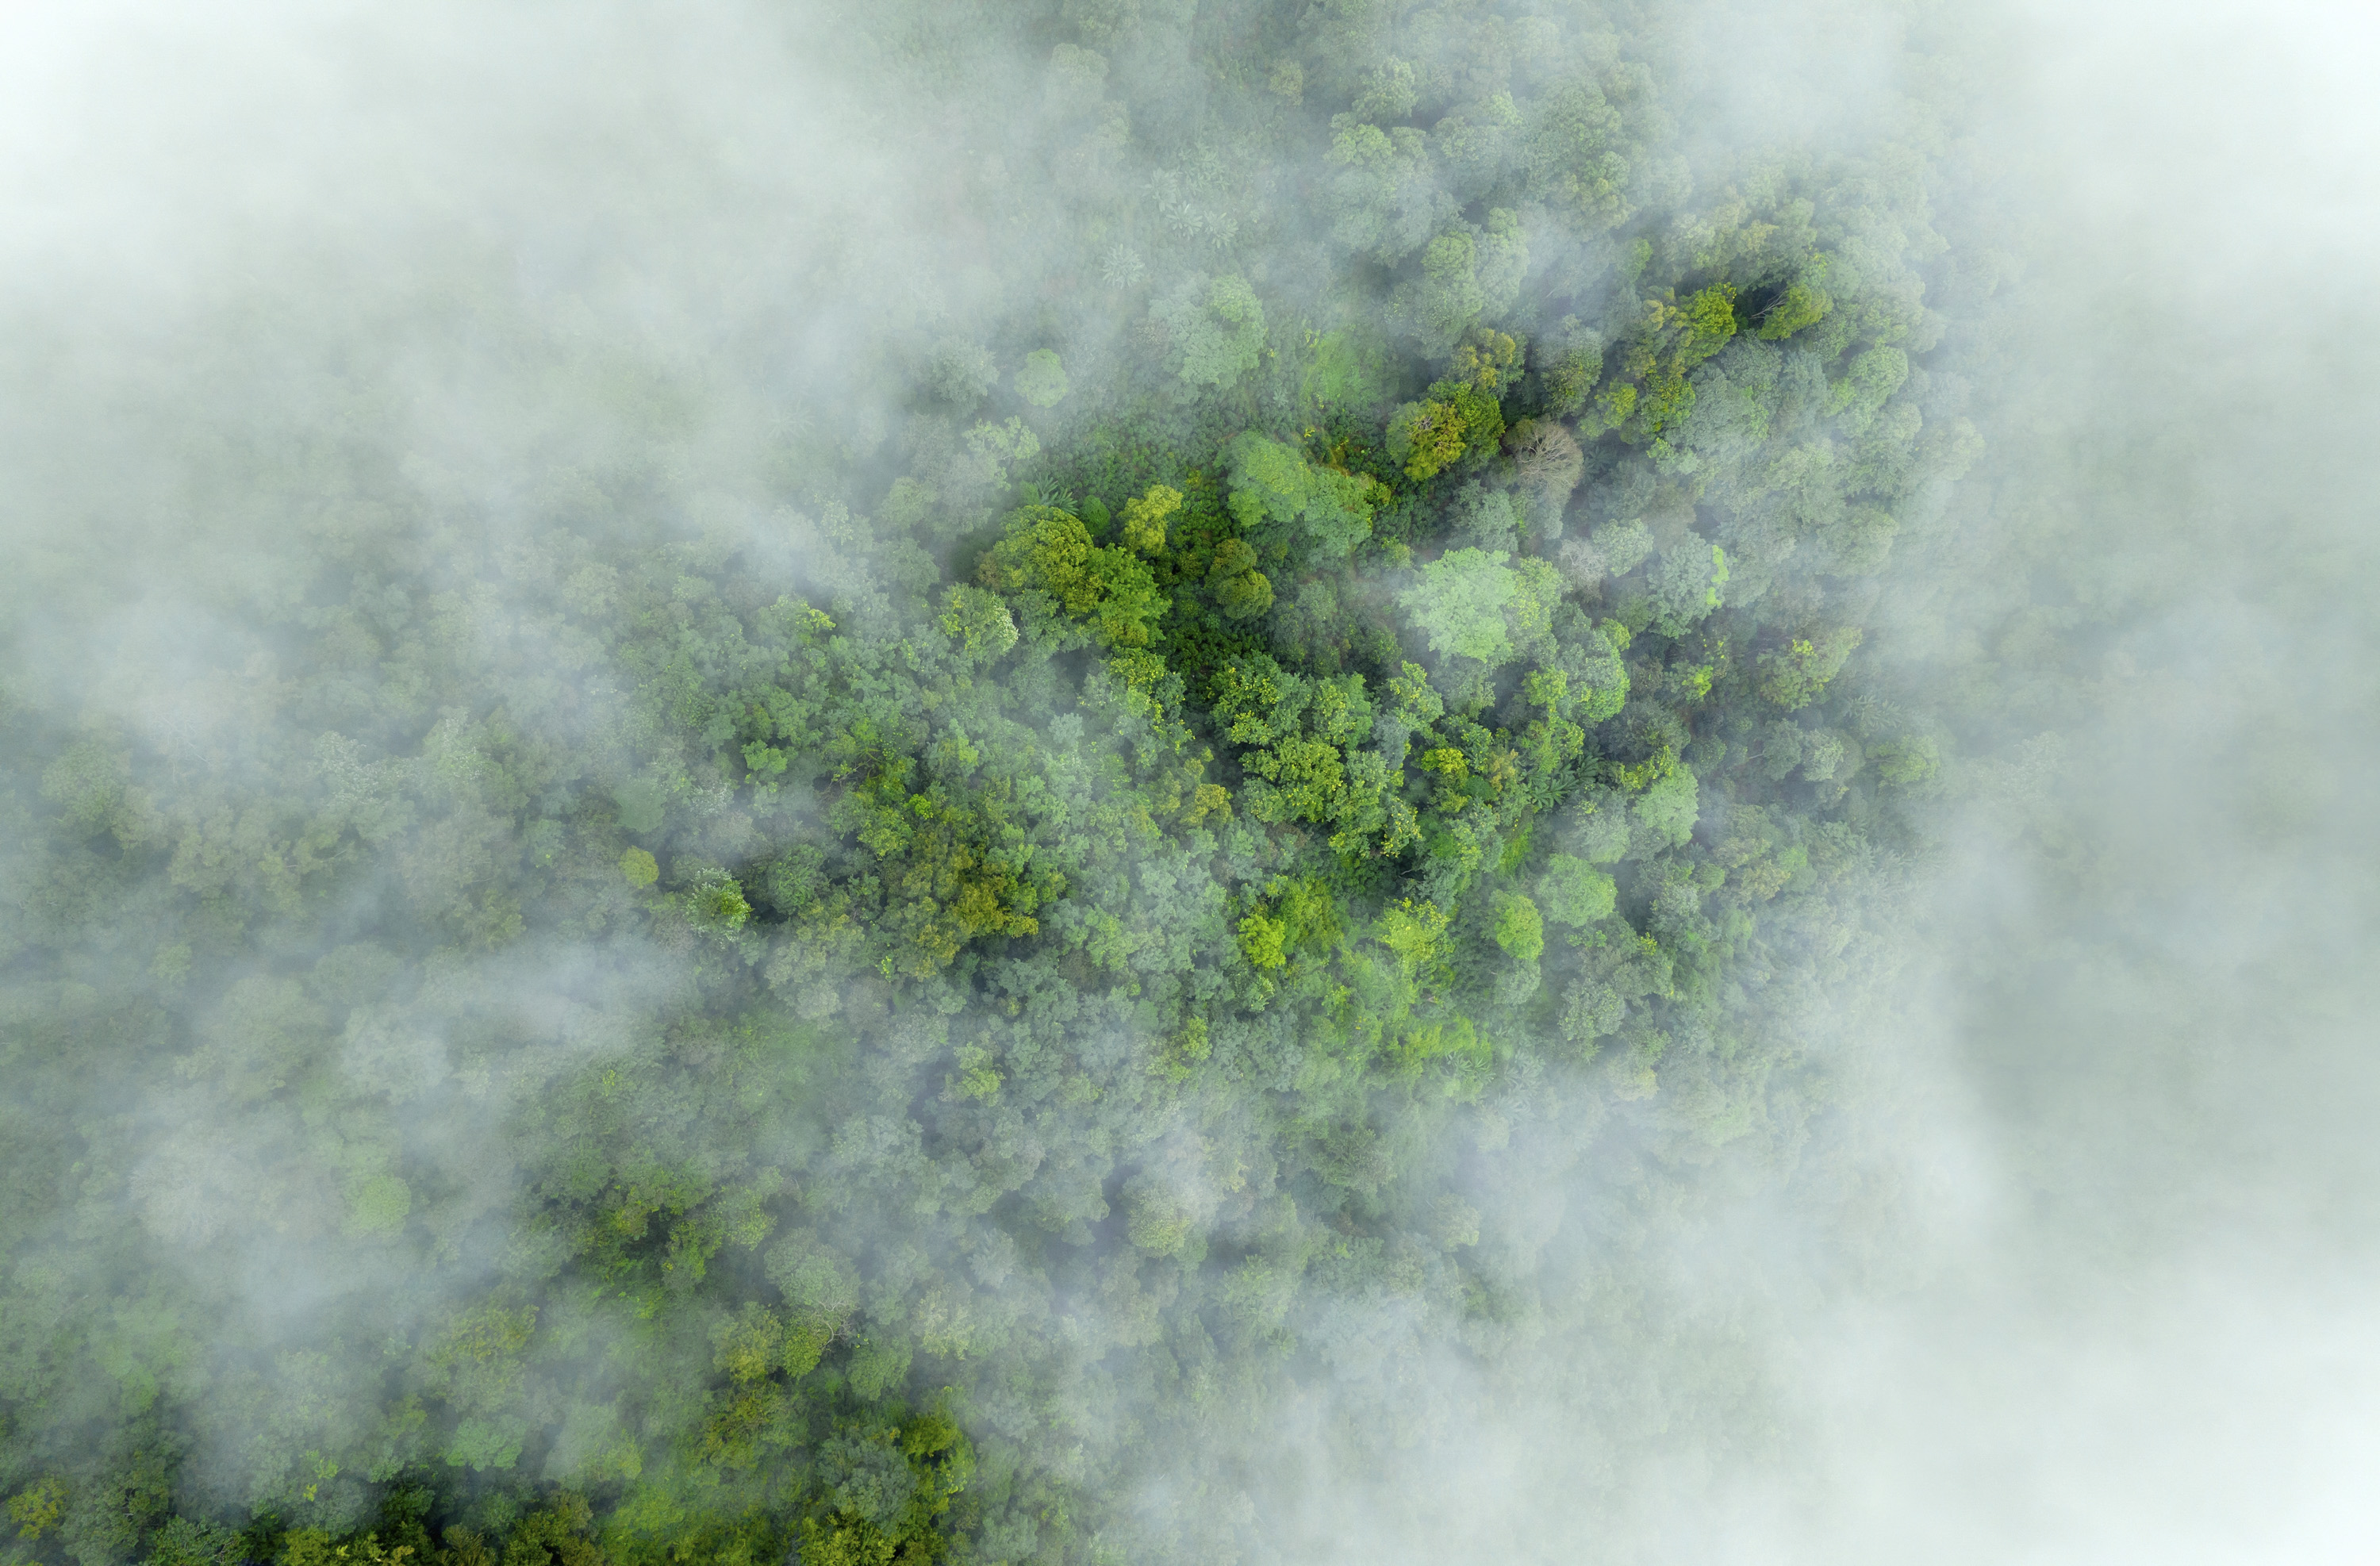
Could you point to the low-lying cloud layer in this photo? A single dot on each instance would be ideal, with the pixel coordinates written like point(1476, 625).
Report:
point(2067, 1265)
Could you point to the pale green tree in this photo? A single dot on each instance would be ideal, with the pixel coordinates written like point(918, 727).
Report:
point(1458, 604)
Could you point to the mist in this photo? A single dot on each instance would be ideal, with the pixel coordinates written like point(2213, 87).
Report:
point(659, 907)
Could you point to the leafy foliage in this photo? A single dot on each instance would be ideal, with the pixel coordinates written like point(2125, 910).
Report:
point(1005, 902)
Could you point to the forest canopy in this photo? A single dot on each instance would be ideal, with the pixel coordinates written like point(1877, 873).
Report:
point(739, 896)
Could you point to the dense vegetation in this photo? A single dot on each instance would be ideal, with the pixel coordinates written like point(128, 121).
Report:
point(886, 995)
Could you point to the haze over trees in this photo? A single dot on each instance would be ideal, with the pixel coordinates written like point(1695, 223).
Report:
point(739, 908)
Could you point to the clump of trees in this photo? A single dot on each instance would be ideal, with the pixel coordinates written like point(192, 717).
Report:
point(793, 1035)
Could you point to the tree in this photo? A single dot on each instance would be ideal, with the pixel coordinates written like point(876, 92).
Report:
point(1275, 493)
point(37, 1507)
point(1803, 303)
point(1688, 583)
point(1488, 359)
point(1520, 929)
point(994, 448)
point(1668, 341)
point(1465, 272)
point(1795, 675)
point(1670, 805)
point(1459, 604)
point(1428, 437)
point(1302, 736)
point(1569, 361)
point(1576, 155)
point(713, 900)
point(1549, 465)
point(1263, 940)
point(1042, 378)
point(1450, 297)
point(1385, 200)
point(186, 1542)
point(1048, 564)
point(885, 1486)
point(1349, 370)
point(1217, 327)
point(1145, 517)
point(978, 622)
point(1573, 892)
point(1241, 590)
point(1411, 929)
